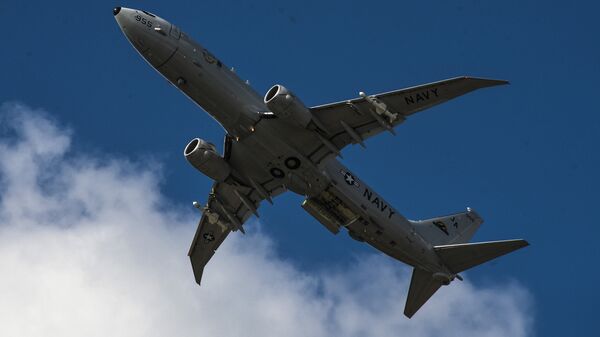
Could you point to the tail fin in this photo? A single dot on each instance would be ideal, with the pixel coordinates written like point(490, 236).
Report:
point(461, 257)
point(444, 230)
point(457, 258)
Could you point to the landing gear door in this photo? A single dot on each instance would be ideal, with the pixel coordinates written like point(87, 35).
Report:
point(175, 32)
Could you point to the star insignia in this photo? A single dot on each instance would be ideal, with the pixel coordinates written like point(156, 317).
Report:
point(208, 237)
point(349, 179)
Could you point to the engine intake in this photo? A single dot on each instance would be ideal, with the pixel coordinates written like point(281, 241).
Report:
point(284, 104)
point(204, 157)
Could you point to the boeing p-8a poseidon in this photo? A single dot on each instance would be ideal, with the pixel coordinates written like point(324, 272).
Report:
point(276, 143)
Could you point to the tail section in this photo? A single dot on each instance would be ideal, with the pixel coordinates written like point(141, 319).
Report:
point(461, 257)
point(450, 229)
point(457, 258)
point(448, 235)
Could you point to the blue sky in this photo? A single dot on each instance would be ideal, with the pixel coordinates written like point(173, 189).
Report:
point(524, 156)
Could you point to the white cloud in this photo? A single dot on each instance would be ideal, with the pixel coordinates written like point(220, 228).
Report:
point(87, 249)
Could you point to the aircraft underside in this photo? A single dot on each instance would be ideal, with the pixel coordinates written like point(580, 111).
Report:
point(276, 144)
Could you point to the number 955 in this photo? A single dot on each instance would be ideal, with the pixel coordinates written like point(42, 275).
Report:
point(143, 21)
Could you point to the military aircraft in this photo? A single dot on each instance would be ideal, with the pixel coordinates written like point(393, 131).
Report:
point(275, 143)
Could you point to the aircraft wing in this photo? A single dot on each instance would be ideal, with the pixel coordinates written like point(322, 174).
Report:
point(228, 207)
point(356, 119)
point(226, 210)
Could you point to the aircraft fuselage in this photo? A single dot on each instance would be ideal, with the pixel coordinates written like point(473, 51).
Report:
point(237, 107)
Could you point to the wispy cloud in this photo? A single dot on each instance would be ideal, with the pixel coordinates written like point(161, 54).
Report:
point(87, 250)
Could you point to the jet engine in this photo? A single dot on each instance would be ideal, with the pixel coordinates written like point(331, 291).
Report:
point(204, 157)
point(284, 104)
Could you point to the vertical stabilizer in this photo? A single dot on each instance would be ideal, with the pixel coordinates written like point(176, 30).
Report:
point(449, 229)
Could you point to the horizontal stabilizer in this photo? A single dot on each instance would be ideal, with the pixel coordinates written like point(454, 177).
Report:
point(422, 286)
point(461, 257)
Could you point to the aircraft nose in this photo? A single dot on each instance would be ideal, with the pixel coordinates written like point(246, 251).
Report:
point(149, 34)
point(123, 15)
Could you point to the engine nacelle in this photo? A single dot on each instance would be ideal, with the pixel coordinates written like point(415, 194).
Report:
point(284, 104)
point(204, 157)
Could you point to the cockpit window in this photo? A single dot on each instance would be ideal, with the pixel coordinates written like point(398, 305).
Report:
point(175, 32)
point(148, 13)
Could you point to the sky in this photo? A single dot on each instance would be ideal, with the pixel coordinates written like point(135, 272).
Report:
point(95, 195)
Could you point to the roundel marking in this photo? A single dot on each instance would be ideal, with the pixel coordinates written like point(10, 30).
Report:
point(350, 179)
point(208, 237)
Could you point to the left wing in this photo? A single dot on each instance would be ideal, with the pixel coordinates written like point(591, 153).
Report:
point(354, 120)
point(229, 205)
point(226, 210)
